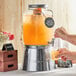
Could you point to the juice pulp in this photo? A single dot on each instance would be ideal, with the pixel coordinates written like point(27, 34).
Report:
point(35, 32)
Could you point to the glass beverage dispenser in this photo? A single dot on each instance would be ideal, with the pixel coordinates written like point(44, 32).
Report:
point(37, 32)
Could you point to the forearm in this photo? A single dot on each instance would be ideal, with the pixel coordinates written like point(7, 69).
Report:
point(71, 39)
point(73, 55)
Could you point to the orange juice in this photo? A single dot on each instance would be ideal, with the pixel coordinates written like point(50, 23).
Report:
point(54, 54)
point(35, 32)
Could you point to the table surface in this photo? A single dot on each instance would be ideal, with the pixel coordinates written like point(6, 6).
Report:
point(55, 72)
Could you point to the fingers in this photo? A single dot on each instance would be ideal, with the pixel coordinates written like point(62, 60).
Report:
point(63, 52)
point(59, 32)
point(63, 58)
point(61, 29)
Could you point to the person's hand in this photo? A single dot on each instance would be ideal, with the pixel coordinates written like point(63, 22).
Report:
point(61, 33)
point(64, 54)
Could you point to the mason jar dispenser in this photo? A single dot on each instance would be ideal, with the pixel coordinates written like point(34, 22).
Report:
point(37, 33)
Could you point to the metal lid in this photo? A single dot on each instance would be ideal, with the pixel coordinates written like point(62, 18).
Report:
point(37, 6)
